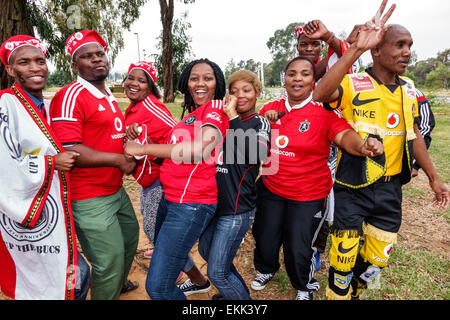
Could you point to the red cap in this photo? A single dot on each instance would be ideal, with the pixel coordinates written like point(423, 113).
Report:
point(299, 30)
point(10, 45)
point(81, 38)
point(151, 70)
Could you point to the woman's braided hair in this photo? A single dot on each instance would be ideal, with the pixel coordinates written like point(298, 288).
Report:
point(219, 92)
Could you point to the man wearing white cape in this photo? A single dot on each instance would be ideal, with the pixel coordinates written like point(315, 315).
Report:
point(38, 253)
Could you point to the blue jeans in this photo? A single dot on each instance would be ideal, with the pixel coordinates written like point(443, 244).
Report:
point(83, 279)
point(183, 225)
point(218, 245)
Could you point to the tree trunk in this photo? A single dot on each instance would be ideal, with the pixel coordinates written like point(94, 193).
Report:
point(12, 22)
point(167, 49)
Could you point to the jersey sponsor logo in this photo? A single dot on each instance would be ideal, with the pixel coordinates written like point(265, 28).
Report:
point(101, 108)
point(361, 83)
point(283, 153)
point(190, 120)
point(282, 142)
point(387, 250)
point(222, 170)
point(215, 116)
point(343, 250)
point(118, 124)
point(395, 133)
point(364, 113)
point(359, 102)
point(393, 119)
point(304, 126)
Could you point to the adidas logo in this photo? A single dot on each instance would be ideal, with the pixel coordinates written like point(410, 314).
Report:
point(318, 215)
point(101, 108)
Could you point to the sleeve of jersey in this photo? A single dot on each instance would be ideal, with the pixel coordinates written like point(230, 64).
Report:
point(337, 124)
point(214, 116)
point(66, 115)
point(342, 99)
point(159, 121)
point(425, 121)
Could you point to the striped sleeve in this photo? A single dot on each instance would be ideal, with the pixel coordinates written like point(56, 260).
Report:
point(66, 118)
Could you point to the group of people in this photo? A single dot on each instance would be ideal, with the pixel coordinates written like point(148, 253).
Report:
point(334, 150)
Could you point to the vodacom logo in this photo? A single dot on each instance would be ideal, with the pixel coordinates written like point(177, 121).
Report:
point(393, 120)
point(282, 142)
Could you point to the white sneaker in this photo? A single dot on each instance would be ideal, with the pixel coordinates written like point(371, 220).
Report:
point(304, 295)
point(261, 280)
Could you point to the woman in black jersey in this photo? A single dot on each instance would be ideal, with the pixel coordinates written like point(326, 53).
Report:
point(246, 146)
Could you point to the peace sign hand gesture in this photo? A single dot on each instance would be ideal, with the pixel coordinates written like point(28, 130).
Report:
point(372, 32)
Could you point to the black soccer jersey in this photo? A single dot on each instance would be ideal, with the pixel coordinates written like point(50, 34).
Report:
point(246, 146)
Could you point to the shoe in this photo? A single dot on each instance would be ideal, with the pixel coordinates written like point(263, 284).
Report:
point(129, 286)
point(317, 266)
point(304, 295)
point(180, 277)
point(190, 288)
point(217, 296)
point(148, 254)
point(261, 280)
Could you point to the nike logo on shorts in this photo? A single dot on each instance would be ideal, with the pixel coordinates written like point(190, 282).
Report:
point(343, 250)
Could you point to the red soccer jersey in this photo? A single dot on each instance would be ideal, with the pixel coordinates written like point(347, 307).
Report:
point(157, 121)
point(196, 182)
point(300, 148)
point(80, 113)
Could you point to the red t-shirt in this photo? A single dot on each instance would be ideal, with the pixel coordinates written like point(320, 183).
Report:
point(196, 182)
point(80, 113)
point(156, 122)
point(300, 148)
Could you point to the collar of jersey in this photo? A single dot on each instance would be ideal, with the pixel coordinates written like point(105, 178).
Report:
point(298, 106)
point(94, 91)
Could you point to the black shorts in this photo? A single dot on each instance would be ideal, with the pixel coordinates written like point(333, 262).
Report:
point(379, 204)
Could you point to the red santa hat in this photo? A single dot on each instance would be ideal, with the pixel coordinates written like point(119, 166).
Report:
point(81, 38)
point(149, 68)
point(299, 30)
point(10, 45)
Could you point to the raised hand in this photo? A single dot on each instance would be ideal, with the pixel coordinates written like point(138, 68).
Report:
point(372, 32)
point(229, 106)
point(315, 29)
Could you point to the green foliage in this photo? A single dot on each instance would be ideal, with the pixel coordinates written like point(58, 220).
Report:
point(283, 47)
point(232, 67)
point(56, 20)
point(58, 79)
point(433, 72)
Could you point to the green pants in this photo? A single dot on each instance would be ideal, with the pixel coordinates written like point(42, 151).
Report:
point(108, 232)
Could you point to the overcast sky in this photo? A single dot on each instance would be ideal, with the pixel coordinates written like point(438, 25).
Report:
point(239, 29)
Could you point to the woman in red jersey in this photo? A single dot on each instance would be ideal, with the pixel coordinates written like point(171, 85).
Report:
point(292, 196)
point(146, 117)
point(187, 176)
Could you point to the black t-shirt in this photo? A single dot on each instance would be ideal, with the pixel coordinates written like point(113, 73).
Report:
point(246, 146)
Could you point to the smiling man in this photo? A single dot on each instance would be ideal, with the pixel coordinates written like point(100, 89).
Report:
point(87, 119)
point(38, 252)
point(377, 103)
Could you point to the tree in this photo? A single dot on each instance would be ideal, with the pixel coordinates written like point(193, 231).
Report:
point(283, 47)
point(182, 50)
point(232, 67)
point(167, 9)
point(12, 21)
point(439, 77)
point(53, 21)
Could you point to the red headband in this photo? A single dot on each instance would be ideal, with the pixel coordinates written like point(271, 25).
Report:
point(299, 30)
point(10, 45)
point(149, 68)
point(81, 38)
